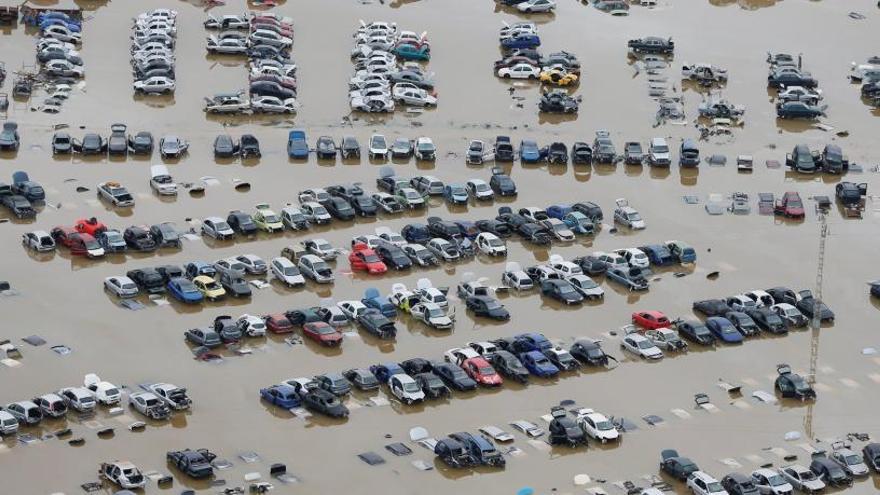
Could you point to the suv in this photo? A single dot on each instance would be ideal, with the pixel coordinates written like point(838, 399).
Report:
point(658, 153)
point(701, 483)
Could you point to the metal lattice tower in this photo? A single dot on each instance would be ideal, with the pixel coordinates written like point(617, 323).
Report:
point(816, 321)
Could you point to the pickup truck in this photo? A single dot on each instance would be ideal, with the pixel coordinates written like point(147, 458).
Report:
point(172, 395)
point(193, 463)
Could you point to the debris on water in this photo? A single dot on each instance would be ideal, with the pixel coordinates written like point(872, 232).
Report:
point(418, 433)
point(398, 449)
point(869, 351)
point(581, 479)
point(855, 167)
point(242, 186)
point(857, 16)
point(679, 274)
point(132, 305)
point(76, 442)
point(82, 189)
point(525, 491)
point(249, 457)
point(91, 487)
point(62, 433)
point(792, 436)
point(567, 403)
point(62, 350)
point(842, 134)
point(34, 340)
point(652, 419)
point(691, 199)
point(252, 476)
point(824, 127)
point(371, 458)
point(712, 275)
point(422, 465)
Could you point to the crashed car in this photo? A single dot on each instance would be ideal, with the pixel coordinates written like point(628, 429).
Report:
point(791, 385)
point(123, 474)
point(558, 102)
point(149, 405)
point(704, 74)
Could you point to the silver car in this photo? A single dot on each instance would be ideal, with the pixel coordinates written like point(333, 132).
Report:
point(316, 269)
point(121, 286)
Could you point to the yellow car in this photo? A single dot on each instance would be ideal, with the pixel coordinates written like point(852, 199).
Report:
point(267, 220)
point(558, 77)
point(209, 287)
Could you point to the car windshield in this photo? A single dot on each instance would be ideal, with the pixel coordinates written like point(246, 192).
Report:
point(496, 242)
point(435, 312)
point(91, 244)
point(853, 459)
point(411, 387)
point(319, 210)
point(481, 187)
point(457, 190)
point(634, 216)
point(412, 195)
point(807, 475)
point(492, 304)
point(644, 344)
point(212, 285)
point(714, 487)
point(221, 226)
point(371, 258)
point(604, 425)
point(776, 480)
point(270, 218)
point(378, 142)
point(322, 330)
point(112, 236)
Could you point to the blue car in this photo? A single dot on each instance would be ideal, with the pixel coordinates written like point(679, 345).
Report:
point(579, 223)
point(297, 147)
point(538, 364)
point(468, 229)
point(455, 194)
point(372, 299)
point(409, 51)
point(559, 211)
point(384, 372)
point(282, 395)
point(71, 26)
point(521, 41)
point(658, 255)
point(529, 152)
point(723, 329)
point(184, 290)
point(416, 233)
point(534, 341)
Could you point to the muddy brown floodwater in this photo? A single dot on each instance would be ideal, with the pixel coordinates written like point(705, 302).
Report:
point(60, 297)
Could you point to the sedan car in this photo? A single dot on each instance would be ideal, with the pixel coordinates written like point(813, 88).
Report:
point(641, 346)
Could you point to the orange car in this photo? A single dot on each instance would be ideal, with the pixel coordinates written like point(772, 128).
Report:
point(89, 226)
point(650, 320)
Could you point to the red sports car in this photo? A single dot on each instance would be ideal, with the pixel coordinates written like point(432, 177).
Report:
point(790, 205)
point(482, 372)
point(278, 323)
point(322, 333)
point(89, 226)
point(364, 259)
point(651, 320)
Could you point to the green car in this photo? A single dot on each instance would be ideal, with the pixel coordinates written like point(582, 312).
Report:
point(409, 51)
point(266, 219)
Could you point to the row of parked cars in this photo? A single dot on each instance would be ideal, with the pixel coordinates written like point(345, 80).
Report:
point(833, 470)
point(463, 369)
point(60, 61)
point(119, 143)
point(389, 71)
point(154, 35)
point(266, 39)
point(92, 238)
point(155, 401)
point(868, 75)
point(379, 148)
point(798, 96)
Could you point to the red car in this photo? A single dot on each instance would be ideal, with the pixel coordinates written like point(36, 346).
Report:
point(482, 372)
point(322, 333)
point(364, 259)
point(278, 323)
point(89, 226)
point(651, 320)
point(63, 235)
point(790, 205)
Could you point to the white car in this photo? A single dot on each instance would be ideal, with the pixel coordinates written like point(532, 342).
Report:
point(254, 265)
point(351, 309)
point(105, 392)
point(372, 104)
point(273, 104)
point(420, 255)
point(405, 388)
point(771, 482)
point(458, 355)
point(271, 38)
point(320, 248)
point(530, 6)
point(597, 425)
point(564, 269)
point(173, 396)
point(63, 68)
point(641, 346)
point(666, 339)
point(61, 33)
point(161, 181)
point(149, 405)
point(121, 286)
point(517, 28)
point(761, 298)
point(432, 314)
point(443, 249)
point(252, 326)
point(741, 303)
point(230, 46)
point(38, 240)
point(425, 149)
point(217, 228)
point(390, 236)
point(227, 103)
point(413, 97)
point(479, 190)
point(285, 271)
point(800, 93)
point(789, 314)
point(635, 257)
point(229, 21)
point(520, 71)
point(8, 423)
point(316, 213)
point(628, 216)
point(516, 278)
point(483, 348)
point(230, 266)
point(378, 147)
point(803, 479)
point(78, 398)
point(586, 286)
point(612, 260)
point(430, 294)
point(491, 244)
point(701, 483)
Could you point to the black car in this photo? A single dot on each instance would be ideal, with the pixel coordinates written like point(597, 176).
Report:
point(334, 383)
point(591, 265)
point(141, 143)
point(415, 366)
point(557, 153)
point(493, 227)
point(482, 450)
point(712, 307)
point(589, 352)
point(562, 359)
point(791, 385)
point(249, 146)
point(23, 186)
point(393, 256)
point(830, 472)
point(19, 206)
point(416, 233)
point(453, 453)
point(303, 316)
point(454, 377)
point(557, 102)
point(508, 365)
point(225, 146)
point(165, 235)
point(633, 154)
point(534, 233)
point(590, 210)
point(361, 379)
point(562, 291)
point(374, 322)
point(651, 44)
point(850, 193)
point(443, 229)
point(801, 159)
point(431, 385)
point(92, 144)
point(581, 153)
point(236, 286)
point(169, 272)
point(324, 402)
point(743, 322)
point(798, 110)
point(563, 430)
point(325, 147)
point(696, 332)
point(807, 305)
point(339, 209)
point(271, 88)
point(241, 222)
point(193, 463)
point(790, 76)
point(503, 150)
point(739, 484)
point(139, 239)
point(676, 466)
point(488, 307)
point(350, 148)
point(767, 320)
point(502, 184)
point(364, 206)
point(148, 279)
point(871, 454)
point(117, 143)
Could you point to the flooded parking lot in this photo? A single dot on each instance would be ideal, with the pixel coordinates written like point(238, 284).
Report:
point(60, 298)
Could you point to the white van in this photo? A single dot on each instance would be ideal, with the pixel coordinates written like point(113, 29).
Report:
point(8, 423)
point(161, 181)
